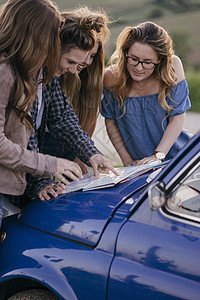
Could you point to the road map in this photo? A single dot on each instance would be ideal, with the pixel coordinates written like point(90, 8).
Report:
point(108, 180)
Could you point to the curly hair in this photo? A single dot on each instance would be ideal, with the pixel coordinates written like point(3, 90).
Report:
point(156, 37)
point(85, 90)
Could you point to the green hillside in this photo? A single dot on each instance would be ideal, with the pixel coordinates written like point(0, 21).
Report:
point(181, 18)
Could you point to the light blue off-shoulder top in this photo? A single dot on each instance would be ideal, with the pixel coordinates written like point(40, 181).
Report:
point(143, 124)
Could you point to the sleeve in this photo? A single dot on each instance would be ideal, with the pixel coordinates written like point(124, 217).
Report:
point(108, 104)
point(33, 141)
point(179, 98)
point(63, 124)
point(35, 185)
point(12, 154)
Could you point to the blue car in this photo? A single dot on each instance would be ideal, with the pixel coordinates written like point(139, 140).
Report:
point(137, 240)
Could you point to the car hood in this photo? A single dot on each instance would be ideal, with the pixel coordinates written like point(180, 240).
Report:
point(80, 216)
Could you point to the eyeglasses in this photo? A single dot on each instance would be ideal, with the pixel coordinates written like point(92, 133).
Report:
point(145, 64)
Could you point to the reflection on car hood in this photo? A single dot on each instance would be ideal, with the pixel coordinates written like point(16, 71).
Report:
point(80, 216)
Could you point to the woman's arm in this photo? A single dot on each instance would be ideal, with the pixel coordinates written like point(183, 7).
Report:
point(171, 134)
point(112, 128)
point(116, 139)
point(81, 164)
point(176, 122)
point(63, 125)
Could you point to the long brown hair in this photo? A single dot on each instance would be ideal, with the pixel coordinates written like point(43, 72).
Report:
point(85, 90)
point(156, 37)
point(29, 33)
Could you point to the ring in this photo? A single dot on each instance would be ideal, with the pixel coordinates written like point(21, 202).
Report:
point(55, 185)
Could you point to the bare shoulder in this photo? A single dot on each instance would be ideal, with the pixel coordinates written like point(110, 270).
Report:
point(109, 77)
point(178, 67)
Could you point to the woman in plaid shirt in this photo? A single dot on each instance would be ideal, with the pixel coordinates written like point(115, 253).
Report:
point(78, 36)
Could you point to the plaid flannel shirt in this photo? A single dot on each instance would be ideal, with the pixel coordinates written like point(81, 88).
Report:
point(63, 124)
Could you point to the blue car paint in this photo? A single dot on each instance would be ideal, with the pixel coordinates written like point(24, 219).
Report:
point(105, 244)
point(79, 216)
point(185, 154)
point(158, 264)
point(66, 250)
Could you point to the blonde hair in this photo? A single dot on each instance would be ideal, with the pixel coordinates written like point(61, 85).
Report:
point(156, 37)
point(85, 90)
point(29, 33)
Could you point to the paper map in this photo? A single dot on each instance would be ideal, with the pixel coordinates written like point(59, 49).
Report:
point(108, 180)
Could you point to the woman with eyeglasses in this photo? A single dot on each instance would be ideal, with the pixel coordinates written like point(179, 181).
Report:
point(145, 96)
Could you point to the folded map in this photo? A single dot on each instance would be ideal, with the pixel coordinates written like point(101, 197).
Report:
point(108, 180)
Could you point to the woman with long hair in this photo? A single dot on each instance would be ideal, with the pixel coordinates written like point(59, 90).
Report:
point(29, 41)
point(84, 88)
point(86, 101)
point(78, 37)
point(145, 96)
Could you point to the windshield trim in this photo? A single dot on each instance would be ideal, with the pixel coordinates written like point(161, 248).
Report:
point(170, 188)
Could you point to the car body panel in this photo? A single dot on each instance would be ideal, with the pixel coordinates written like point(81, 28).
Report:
point(80, 216)
point(184, 155)
point(54, 262)
point(105, 244)
point(156, 269)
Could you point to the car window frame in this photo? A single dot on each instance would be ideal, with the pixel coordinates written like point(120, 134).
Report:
point(173, 185)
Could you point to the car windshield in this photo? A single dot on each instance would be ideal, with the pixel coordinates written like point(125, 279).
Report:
point(184, 200)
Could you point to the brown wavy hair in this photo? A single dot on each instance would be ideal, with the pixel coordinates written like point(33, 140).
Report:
point(29, 32)
point(156, 37)
point(85, 90)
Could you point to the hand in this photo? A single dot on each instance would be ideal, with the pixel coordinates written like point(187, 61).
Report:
point(81, 164)
point(69, 169)
point(50, 190)
point(147, 160)
point(101, 164)
point(130, 163)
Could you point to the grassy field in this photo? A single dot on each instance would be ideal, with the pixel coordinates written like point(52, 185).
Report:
point(131, 12)
point(175, 18)
point(179, 20)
